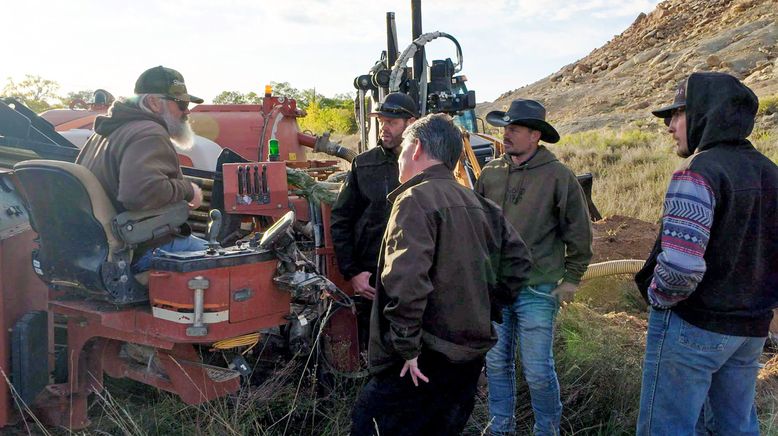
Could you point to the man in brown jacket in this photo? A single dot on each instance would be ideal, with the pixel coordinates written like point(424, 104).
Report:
point(543, 200)
point(133, 156)
point(449, 261)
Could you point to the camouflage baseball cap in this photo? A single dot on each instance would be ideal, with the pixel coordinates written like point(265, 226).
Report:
point(165, 81)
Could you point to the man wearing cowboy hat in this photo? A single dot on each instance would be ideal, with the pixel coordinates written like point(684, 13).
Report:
point(541, 197)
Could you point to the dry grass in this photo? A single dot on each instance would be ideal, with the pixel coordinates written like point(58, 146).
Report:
point(599, 350)
point(633, 167)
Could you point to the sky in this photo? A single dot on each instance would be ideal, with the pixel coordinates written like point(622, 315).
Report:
point(241, 45)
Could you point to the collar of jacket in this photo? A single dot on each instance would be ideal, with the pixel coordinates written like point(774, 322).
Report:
point(541, 157)
point(121, 113)
point(388, 154)
point(438, 171)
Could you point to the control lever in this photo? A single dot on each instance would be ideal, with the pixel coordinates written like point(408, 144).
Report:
point(264, 197)
point(240, 181)
point(257, 188)
point(264, 179)
point(214, 227)
point(249, 189)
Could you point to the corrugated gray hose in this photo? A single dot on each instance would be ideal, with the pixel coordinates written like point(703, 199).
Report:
point(613, 267)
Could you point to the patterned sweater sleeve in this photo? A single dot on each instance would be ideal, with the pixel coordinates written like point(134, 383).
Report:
point(686, 223)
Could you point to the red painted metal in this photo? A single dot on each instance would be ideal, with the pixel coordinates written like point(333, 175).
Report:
point(95, 339)
point(342, 332)
point(265, 307)
point(66, 119)
point(98, 332)
point(21, 291)
point(247, 203)
point(246, 128)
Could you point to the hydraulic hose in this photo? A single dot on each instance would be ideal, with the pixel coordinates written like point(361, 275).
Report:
point(396, 77)
point(322, 144)
point(613, 267)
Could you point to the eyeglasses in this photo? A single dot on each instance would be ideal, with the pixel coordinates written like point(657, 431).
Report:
point(183, 105)
point(395, 109)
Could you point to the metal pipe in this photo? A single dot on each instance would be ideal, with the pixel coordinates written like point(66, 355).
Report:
point(391, 40)
point(418, 58)
point(362, 114)
point(198, 328)
point(199, 302)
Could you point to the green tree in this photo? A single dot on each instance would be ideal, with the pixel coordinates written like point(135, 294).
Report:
point(334, 119)
point(230, 97)
point(286, 90)
point(86, 95)
point(323, 113)
point(237, 97)
point(35, 92)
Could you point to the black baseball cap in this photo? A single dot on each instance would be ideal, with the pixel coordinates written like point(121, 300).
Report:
point(679, 101)
point(165, 81)
point(397, 105)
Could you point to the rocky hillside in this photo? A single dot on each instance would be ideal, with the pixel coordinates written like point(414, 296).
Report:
point(618, 83)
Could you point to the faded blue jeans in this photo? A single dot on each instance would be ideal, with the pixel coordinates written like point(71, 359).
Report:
point(529, 325)
point(177, 245)
point(687, 368)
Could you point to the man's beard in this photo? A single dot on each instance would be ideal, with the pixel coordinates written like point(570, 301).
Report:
point(180, 130)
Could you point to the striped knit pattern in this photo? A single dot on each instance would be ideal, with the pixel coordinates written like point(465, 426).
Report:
point(686, 222)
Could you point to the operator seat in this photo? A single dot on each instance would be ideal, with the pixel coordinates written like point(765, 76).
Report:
point(84, 247)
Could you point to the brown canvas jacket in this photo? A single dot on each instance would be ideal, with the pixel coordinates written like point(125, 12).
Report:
point(546, 204)
point(449, 261)
point(135, 161)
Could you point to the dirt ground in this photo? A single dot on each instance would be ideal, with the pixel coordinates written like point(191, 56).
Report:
point(621, 237)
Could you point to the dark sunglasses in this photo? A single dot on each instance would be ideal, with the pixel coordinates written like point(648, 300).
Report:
point(679, 110)
point(183, 105)
point(395, 109)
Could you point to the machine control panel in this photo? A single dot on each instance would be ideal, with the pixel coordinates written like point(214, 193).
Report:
point(258, 188)
point(13, 216)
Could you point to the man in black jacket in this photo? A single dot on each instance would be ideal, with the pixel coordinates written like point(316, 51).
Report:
point(712, 279)
point(360, 214)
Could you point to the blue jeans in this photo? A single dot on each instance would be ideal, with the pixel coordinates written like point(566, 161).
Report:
point(688, 369)
point(529, 324)
point(177, 245)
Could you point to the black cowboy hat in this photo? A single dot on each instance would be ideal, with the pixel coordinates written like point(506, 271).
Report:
point(528, 113)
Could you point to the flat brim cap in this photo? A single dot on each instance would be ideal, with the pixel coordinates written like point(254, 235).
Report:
point(679, 101)
point(667, 111)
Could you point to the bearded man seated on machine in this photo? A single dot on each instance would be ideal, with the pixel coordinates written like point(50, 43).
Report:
point(132, 155)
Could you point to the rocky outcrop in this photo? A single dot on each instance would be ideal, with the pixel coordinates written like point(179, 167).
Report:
point(617, 83)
